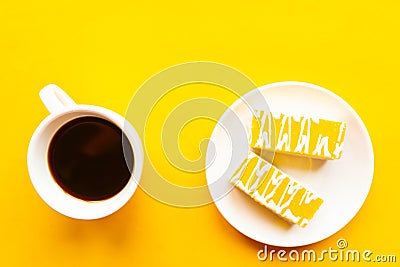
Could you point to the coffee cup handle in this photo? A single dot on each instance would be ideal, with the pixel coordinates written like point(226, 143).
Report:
point(54, 98)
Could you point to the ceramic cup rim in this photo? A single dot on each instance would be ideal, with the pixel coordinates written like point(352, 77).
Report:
point(47, 187)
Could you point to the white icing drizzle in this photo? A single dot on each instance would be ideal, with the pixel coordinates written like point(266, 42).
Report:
point(282, 206)
point(296, 118)
point(303, 143)
point(304, 222)
point(260, 174)
point(301, 137)
point(339, 145)
point(284, 137)
point(264, 137)
point(238, 174)
point(276, 180)
point(291, 189)
point(236, 178)
point(322, 143)
point(308, 197)
point(315, 120)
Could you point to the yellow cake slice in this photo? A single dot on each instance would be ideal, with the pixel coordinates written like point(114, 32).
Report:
point(275, 190)
point(298, 135)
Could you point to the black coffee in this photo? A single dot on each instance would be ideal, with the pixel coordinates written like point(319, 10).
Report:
point(87, 160)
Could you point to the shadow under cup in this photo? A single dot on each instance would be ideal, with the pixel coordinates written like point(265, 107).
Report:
point(82, 162)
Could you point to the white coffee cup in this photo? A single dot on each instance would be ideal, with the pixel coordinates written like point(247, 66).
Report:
point(62, 110)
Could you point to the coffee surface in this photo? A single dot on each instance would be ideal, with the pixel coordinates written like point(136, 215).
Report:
point(86, 158)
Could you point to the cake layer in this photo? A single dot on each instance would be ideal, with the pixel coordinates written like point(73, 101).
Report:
point(275, 190)
point(299, 135)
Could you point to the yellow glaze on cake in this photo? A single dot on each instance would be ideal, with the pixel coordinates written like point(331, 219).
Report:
point(275, 190)
point(299, 135)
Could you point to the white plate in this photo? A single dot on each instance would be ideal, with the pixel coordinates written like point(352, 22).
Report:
point(344, 183)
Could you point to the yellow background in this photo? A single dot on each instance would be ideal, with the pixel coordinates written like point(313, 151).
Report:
point(101, 53)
